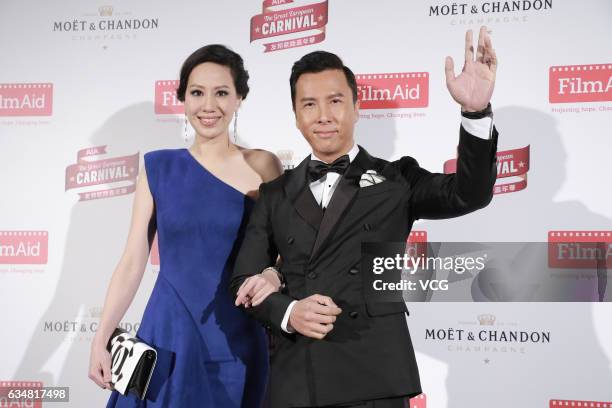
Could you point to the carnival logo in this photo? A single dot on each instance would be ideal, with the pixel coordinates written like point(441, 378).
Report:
point(394, 90)
point(488, 7)
point(91, 172)
point(579, 403)
point(580, 83)
point(24, 247)
point(286, 158)
point(580, 249)
point(279, 20)
point(21, 388)
point(29, 99)
point(420, 401)
point(510, 163)
point(166, 101)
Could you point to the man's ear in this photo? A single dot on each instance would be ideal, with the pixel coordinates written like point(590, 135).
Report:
point(356, 108)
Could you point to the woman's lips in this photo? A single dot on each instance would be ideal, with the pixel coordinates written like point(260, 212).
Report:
point(209, 121)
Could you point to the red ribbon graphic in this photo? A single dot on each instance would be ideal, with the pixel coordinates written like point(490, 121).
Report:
point(98, 172)
point(510, 163)
point(272, 23)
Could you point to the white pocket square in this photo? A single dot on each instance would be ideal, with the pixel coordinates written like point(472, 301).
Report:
point(370, 178)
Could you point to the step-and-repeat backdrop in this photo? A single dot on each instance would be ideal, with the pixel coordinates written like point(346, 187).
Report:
point(86, 88)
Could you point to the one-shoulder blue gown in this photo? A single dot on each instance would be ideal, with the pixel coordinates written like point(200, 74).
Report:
point(210, 353)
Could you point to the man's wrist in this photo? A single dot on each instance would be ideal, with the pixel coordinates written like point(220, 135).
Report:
point(487, 112)
point(285, 325)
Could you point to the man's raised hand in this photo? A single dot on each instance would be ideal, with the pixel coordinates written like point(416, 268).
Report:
point(473, 87)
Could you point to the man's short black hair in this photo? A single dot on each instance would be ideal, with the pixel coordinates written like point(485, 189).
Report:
point(219, 54)
point(319, 61)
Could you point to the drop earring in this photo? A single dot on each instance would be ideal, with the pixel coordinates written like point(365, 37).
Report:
point(235, 126)
point(185, 130)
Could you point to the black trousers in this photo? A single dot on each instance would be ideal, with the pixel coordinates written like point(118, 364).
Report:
point(402, 402)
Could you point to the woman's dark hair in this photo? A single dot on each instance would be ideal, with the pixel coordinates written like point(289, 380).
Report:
point(319, 61)
point(219, 54)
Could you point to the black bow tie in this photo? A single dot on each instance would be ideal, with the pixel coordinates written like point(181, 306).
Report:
point(318, 169)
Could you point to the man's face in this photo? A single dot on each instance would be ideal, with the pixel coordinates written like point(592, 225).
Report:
point(325, 112)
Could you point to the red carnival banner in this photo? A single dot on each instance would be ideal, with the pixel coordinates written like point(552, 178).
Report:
point(510, 163)
point(289, 20)
point(99, 172)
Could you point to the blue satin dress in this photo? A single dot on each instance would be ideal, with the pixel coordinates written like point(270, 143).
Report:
point(210, 353)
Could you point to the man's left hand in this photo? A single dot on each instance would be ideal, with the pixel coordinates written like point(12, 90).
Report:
point(473, 87)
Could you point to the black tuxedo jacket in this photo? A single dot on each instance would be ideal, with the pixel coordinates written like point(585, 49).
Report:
point(368, 355)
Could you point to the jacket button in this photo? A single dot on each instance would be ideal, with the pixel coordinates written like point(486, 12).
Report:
point(353, 314)
point(313, 275)
point(366, 226)
point(290, 240)
point(354, 271)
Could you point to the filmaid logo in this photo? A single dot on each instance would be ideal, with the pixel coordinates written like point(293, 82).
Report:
point(91, 172)
point(166, 102)
point(393, 90)
point(579, 403)
point(23, 387)
point(580, 83)
point(278, 20)
point(580, 250)
point(26, 99)
point(24, 247)
point(510, 163)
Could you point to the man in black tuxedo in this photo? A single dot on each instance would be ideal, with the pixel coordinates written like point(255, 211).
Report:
point(335, 347)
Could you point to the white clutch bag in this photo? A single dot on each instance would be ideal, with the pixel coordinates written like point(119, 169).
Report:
point(132, 363)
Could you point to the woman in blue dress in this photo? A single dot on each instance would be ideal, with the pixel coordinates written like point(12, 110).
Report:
point(210, 353)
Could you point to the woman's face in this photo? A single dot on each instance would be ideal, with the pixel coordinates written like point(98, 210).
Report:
point(211, 99)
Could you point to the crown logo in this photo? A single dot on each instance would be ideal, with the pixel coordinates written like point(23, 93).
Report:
point(486, 319)
point(105, 11)
point(286, 158)
point(95, 311)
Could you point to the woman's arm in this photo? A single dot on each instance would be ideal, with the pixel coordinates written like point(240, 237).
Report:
point(125, 280)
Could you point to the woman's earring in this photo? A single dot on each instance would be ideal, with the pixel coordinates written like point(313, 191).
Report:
point(185, 131)
point(235, 126)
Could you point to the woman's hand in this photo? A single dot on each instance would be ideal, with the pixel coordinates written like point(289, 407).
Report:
point(100, 364)
point(255, 289)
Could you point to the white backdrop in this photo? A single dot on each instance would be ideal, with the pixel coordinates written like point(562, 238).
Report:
point(73, 77)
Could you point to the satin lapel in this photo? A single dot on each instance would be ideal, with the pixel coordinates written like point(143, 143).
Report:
point(345, 192)
point(300, 196)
